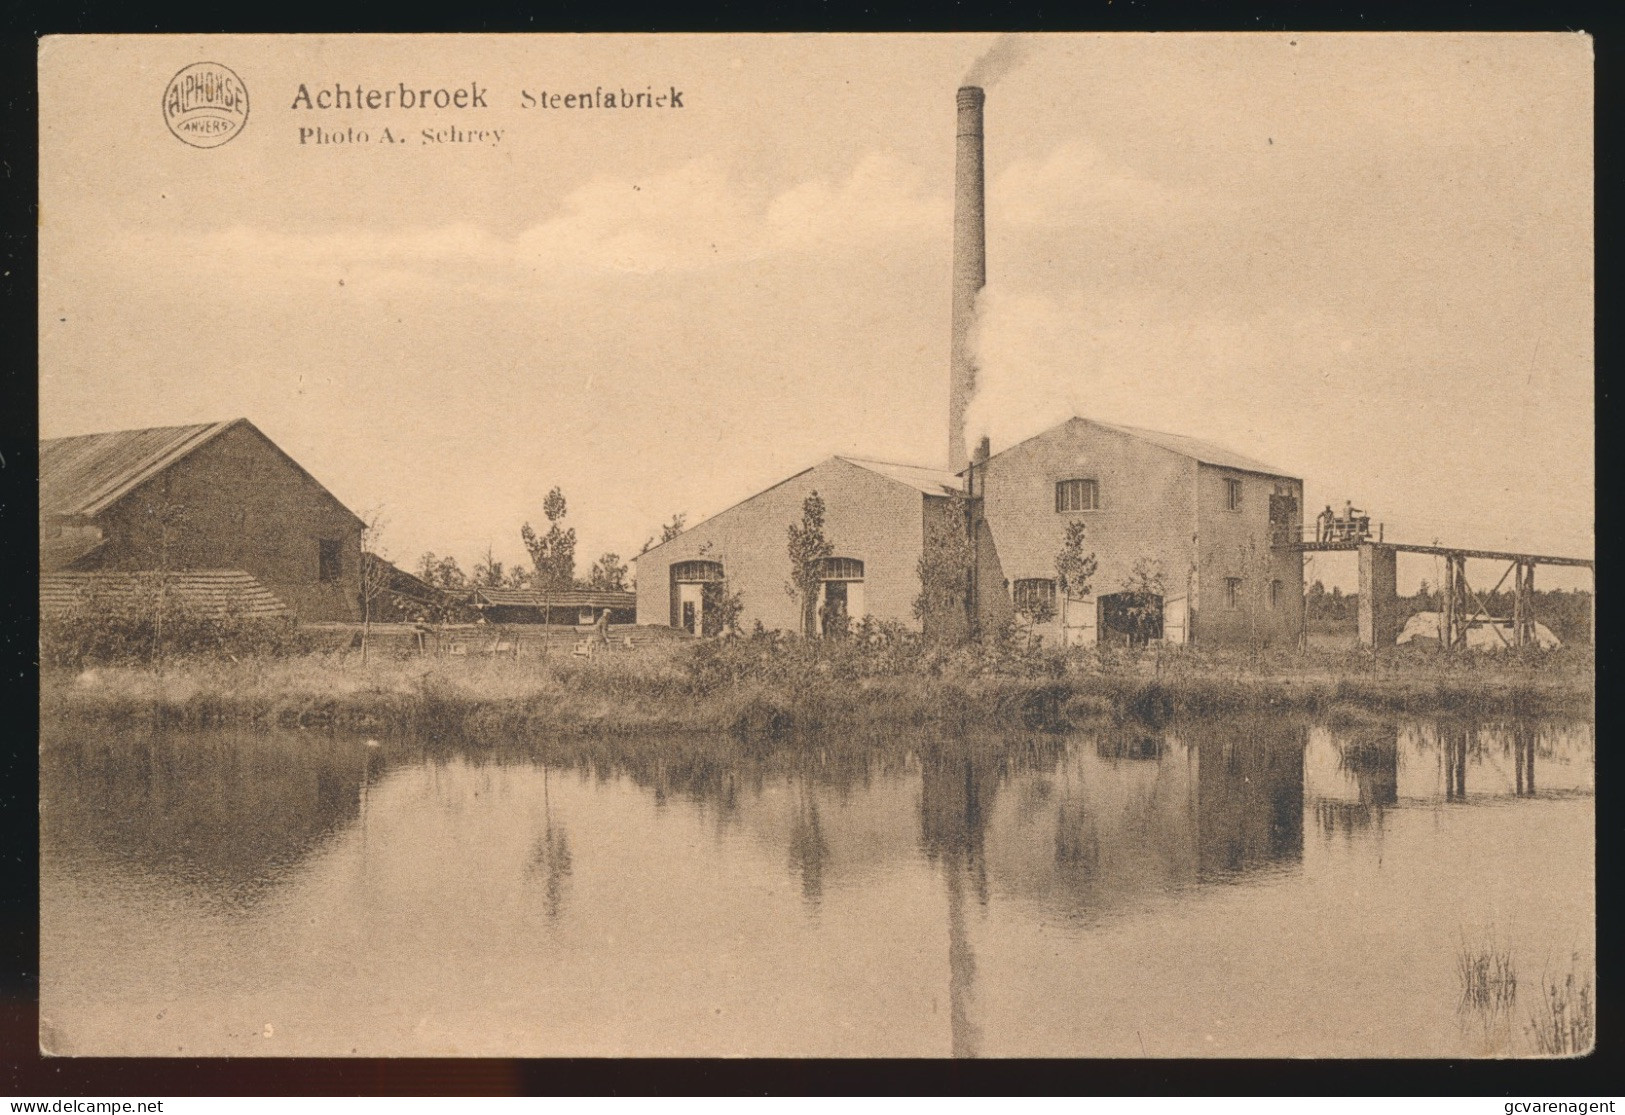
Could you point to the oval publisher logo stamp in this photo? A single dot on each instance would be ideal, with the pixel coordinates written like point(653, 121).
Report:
point(205, 104)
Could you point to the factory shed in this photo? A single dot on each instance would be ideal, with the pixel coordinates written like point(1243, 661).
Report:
point(568, 606)
point(874, 515)
point(207, 497)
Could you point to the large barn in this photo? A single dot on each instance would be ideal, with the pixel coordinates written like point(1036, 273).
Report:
point(1184, 533)
point(219, 496)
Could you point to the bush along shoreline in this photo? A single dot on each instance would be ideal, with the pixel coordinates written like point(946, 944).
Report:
point(768, 686)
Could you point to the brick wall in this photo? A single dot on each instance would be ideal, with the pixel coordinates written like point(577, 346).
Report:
point(1146, 510)
point(241, 504)
point(878, 521)
point(1237, 544)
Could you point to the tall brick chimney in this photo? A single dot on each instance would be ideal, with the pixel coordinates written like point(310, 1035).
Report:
point(970, 267)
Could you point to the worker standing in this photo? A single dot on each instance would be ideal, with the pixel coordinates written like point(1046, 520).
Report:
point(601, 628)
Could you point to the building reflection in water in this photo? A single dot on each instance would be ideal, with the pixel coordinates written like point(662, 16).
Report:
point(1369, 757)
point(225, 814)
point(1524, 737)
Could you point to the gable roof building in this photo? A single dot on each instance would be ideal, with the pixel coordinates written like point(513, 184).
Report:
point(217, 496)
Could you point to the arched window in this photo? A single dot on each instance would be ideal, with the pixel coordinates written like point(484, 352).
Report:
point(840, 569)
point(696, 572)
point(1034, 596)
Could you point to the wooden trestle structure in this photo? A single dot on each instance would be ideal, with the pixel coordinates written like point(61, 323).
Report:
point(1379, 600)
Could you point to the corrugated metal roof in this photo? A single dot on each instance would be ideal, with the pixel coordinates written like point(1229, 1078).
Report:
point(213, 592)
point(931, 481)
point(569, 598)
point(1197, 449)
point(83, 475)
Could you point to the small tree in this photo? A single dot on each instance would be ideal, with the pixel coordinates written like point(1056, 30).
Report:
point(945, 567)
point(1074, 569)
point(1036, 608)
point(667, 533)
point(807, 549)
point(489, 573)
point(553, 554)
point(374, 573)
point(720, 609)
point(608, 574)
point(1144, 590)
point(441, 573)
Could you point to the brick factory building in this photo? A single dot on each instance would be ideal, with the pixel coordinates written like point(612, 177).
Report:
point(1202, 519)
point(1185, 534)
point(219, 496)
point(875, 513)
point(1198, 516)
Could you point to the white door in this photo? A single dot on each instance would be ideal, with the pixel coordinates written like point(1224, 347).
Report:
point(854, 601)
point(1079, 622)
point(1175, 620)
point(691, 608)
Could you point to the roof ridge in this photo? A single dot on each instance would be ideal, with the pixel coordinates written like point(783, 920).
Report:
point(145, 430)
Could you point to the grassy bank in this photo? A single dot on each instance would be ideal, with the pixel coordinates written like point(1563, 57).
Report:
point(765, 688)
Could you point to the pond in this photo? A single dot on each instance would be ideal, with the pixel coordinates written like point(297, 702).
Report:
point(1250, 887)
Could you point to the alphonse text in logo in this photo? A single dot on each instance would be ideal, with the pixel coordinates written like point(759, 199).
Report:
point(205, 105)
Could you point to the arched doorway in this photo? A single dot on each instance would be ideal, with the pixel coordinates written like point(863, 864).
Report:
point(688, 591)
point(840, 594)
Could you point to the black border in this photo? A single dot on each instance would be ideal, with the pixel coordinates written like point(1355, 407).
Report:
point(24, 1074)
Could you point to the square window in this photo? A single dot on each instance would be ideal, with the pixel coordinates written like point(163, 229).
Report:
point(1077, 495)
point(1232, 592)
point(329, 560)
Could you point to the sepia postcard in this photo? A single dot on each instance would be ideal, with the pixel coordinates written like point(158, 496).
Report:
point(817, 545)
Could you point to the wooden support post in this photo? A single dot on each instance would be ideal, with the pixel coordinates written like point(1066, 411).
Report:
point(1529, 605)
point(1447, 621)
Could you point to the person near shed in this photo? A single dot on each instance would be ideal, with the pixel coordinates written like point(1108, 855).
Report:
point(600, 628)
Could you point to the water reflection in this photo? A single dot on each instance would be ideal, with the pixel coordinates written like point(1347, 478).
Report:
point(549, 861)
point(957, 790)
point(226, 814)
point(589, 884)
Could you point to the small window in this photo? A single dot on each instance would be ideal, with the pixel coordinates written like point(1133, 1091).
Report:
point(1035, 596)
point(329, 560)
point(1077, 495)
point(1275, 594)
point(1232, 494)
point(1232, 592)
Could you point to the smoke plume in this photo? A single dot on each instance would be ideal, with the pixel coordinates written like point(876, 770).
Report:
point(1006, 53)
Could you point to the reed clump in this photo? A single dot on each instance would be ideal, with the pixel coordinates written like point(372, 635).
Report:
point(1564, 1020)
point(1488, 975)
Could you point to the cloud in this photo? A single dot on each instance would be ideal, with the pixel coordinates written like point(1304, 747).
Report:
point(692, 217)
point(1078, 184)
point(883, 198)
point(1142, 359)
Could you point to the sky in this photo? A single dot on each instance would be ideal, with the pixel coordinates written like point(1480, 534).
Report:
point(1366, 259)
